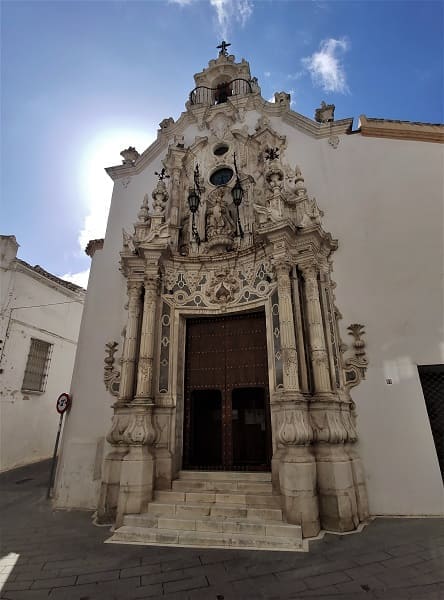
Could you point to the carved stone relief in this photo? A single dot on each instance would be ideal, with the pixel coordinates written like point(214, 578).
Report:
point(111, 375)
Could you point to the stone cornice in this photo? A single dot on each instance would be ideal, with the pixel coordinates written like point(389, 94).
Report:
point(94, 245)
point(401, 130)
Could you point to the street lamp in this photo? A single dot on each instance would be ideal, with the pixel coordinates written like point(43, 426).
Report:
point(193, 203)
point(237, 193)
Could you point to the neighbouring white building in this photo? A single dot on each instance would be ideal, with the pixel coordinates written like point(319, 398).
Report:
point(216, 396)
point(40, 317)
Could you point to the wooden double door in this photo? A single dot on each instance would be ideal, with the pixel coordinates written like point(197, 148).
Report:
point(227, 411)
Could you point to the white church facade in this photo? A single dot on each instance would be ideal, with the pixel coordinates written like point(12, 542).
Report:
point(247, 368)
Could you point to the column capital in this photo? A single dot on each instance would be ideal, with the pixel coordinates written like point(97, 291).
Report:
point(134, 288)
point(151, 283)
point(282, 265)
point(309, 270)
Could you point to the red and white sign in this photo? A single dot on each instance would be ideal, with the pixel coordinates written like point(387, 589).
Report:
point(63, 403)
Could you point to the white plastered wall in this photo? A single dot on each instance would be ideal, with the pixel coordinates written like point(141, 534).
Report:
point(29, 421)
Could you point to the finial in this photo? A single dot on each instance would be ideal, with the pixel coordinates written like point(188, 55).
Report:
point(144, 212)
point(223, 48)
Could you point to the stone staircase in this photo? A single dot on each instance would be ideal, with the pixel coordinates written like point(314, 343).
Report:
point(214, 509)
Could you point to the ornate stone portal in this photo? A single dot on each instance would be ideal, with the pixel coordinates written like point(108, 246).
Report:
point(282, 264)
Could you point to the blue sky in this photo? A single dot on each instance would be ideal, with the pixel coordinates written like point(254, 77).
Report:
point(83, 80)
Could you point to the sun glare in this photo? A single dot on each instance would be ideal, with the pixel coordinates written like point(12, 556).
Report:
point(103, 151)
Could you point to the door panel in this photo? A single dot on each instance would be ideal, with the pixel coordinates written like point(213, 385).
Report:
point(226, 393)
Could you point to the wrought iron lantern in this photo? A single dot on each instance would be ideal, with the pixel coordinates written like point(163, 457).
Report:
point(194, 202)
point(237, 193)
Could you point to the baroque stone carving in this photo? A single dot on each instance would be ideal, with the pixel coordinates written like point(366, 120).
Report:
point(220, 227)
point(140, 430)
point(118, 426)
point(294, 428)
point(144, 213)
point(111, 375)
point(129, 155)
point(325, 113)
point(160, 197)
point(223, 287)
point(356, 365)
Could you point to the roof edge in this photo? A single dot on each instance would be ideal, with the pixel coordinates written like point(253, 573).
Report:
point(401, 130)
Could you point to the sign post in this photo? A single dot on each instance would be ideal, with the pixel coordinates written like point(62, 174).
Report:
point(63, 405)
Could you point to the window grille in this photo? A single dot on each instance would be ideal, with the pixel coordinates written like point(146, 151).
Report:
point(36, 371)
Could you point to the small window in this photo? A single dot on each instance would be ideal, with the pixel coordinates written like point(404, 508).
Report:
point(36, 371)
point(221, 176)
point(220, 150)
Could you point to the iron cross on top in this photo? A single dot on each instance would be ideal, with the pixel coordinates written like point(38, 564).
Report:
point(223, 48)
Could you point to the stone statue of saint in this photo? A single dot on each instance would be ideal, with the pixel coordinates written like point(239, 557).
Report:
point(219, 221)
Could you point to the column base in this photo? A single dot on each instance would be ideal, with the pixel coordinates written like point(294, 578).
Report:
point(109, 490)
point(136, 482)
point(297, 481)
point(359, 482)
point(337, 496)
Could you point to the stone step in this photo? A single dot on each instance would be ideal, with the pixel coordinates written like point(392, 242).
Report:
point(226, 475)
point(155, 536)
point(215, 525)
point(238, 499)
point(227, 486)
point(201, 509)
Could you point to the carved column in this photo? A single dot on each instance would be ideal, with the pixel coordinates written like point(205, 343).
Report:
point(146, 349)
point(129, 354)
point(318, 350)
point(297, 466)
point(288, 340)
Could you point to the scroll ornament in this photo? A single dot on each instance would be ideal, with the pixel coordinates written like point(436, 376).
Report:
point(356, 365)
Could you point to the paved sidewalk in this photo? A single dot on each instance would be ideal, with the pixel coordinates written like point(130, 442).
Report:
point(61, 556)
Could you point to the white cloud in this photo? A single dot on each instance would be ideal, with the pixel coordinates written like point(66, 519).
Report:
point(326, 68)
point(227, 12)
point(267, 73)
point(80, 278)
point(295, 76)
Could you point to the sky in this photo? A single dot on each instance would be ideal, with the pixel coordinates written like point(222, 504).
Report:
point(82, 80)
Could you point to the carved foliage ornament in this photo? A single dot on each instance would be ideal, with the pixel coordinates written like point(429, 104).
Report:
point(356, 365)
point(111, 375)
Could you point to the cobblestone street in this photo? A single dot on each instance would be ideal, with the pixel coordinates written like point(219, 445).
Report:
point(62, 556)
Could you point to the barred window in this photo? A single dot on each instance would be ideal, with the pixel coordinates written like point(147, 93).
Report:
point(37, 366)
